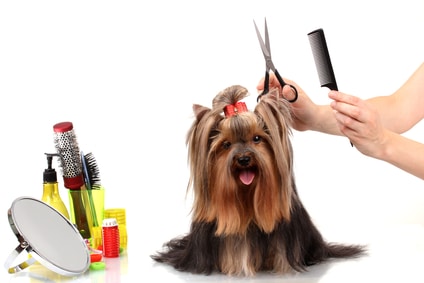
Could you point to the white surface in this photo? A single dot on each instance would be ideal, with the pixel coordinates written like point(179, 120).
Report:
point(396, 255)
point(126, 74)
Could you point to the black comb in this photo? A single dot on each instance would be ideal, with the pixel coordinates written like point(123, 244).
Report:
point(322, 59)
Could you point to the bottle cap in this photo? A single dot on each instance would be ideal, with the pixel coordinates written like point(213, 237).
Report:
point(109, 222)
point(49, 175)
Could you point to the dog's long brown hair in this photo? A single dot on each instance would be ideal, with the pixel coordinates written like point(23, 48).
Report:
point(247, 216)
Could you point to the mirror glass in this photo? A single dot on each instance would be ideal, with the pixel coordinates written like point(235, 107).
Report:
point(52, 239)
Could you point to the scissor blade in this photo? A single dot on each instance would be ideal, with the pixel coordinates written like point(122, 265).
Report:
point(267, 45)
point(261, 41)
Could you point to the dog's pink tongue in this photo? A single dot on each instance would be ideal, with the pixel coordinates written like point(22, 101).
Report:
point(247, 176)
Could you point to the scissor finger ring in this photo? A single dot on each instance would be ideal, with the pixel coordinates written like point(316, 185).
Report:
point(294, 92)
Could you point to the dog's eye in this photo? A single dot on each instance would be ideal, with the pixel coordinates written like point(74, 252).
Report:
point(226, 145)
point(257, 139)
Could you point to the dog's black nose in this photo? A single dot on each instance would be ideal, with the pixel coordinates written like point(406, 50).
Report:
point(244, 160)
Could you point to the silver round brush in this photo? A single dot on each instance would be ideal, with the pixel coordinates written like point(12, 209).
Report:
point(66, 146)
point(71, 165)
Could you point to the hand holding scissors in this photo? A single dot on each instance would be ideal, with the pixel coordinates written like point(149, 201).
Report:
point(266, 50)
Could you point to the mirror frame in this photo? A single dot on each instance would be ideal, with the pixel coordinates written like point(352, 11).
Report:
point(36, 254)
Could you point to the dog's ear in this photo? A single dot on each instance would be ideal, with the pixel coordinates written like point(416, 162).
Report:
point(199, 111)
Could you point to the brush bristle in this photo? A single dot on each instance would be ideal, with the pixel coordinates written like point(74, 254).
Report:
point(93, 172)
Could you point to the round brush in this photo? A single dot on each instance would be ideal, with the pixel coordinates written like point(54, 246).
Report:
point(70, 163)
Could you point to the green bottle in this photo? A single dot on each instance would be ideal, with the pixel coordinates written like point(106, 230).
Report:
point(51, 194)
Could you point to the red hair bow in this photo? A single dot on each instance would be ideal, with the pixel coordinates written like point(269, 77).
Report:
point(233, 109)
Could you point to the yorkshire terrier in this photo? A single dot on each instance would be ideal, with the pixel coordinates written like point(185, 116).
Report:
point(247, 216)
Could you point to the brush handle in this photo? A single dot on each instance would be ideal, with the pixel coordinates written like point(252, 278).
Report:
point(79, 213)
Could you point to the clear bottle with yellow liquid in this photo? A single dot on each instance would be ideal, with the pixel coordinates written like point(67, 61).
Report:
point(51, 194)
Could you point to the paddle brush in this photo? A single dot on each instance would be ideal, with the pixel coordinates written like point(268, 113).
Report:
point(92, 180)
point(92, 171)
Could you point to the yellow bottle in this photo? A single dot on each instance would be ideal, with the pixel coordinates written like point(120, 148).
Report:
point(51, 194)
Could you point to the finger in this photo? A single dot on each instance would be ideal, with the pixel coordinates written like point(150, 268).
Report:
point(288, 92)
point(348, 126)
point(273, 81)
point(354, 111)
point(260, 85)
point(343, 97)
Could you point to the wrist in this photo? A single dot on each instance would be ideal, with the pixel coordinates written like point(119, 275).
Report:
point(386, 149)
point(324, 120)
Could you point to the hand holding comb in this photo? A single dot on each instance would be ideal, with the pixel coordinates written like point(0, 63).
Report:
point(322, 60)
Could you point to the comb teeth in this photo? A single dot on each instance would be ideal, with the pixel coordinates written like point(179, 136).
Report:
point(67, 147)
point(322, 59)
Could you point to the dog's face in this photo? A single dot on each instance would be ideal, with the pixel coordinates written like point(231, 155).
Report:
point(239, 151)
point(241, 164)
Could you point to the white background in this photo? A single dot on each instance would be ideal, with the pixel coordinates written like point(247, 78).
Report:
point(126, 73)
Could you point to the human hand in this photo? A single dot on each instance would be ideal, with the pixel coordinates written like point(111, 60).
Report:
point(303, 108)
point(360, 122)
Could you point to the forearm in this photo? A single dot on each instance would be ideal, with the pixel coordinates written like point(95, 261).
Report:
point(394, 113)
point(403, 109)
point(403, 153)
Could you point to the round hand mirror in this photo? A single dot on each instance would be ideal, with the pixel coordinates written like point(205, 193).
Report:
point(48, 237)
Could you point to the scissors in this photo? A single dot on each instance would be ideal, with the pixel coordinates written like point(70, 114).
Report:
point(266, 50)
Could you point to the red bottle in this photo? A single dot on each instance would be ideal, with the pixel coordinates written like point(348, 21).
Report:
point(110, 237)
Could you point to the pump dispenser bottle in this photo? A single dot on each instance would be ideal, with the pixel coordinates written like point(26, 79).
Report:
point(51, 194)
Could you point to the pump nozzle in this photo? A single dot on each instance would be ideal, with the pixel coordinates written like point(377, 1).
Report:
point(50, 175)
